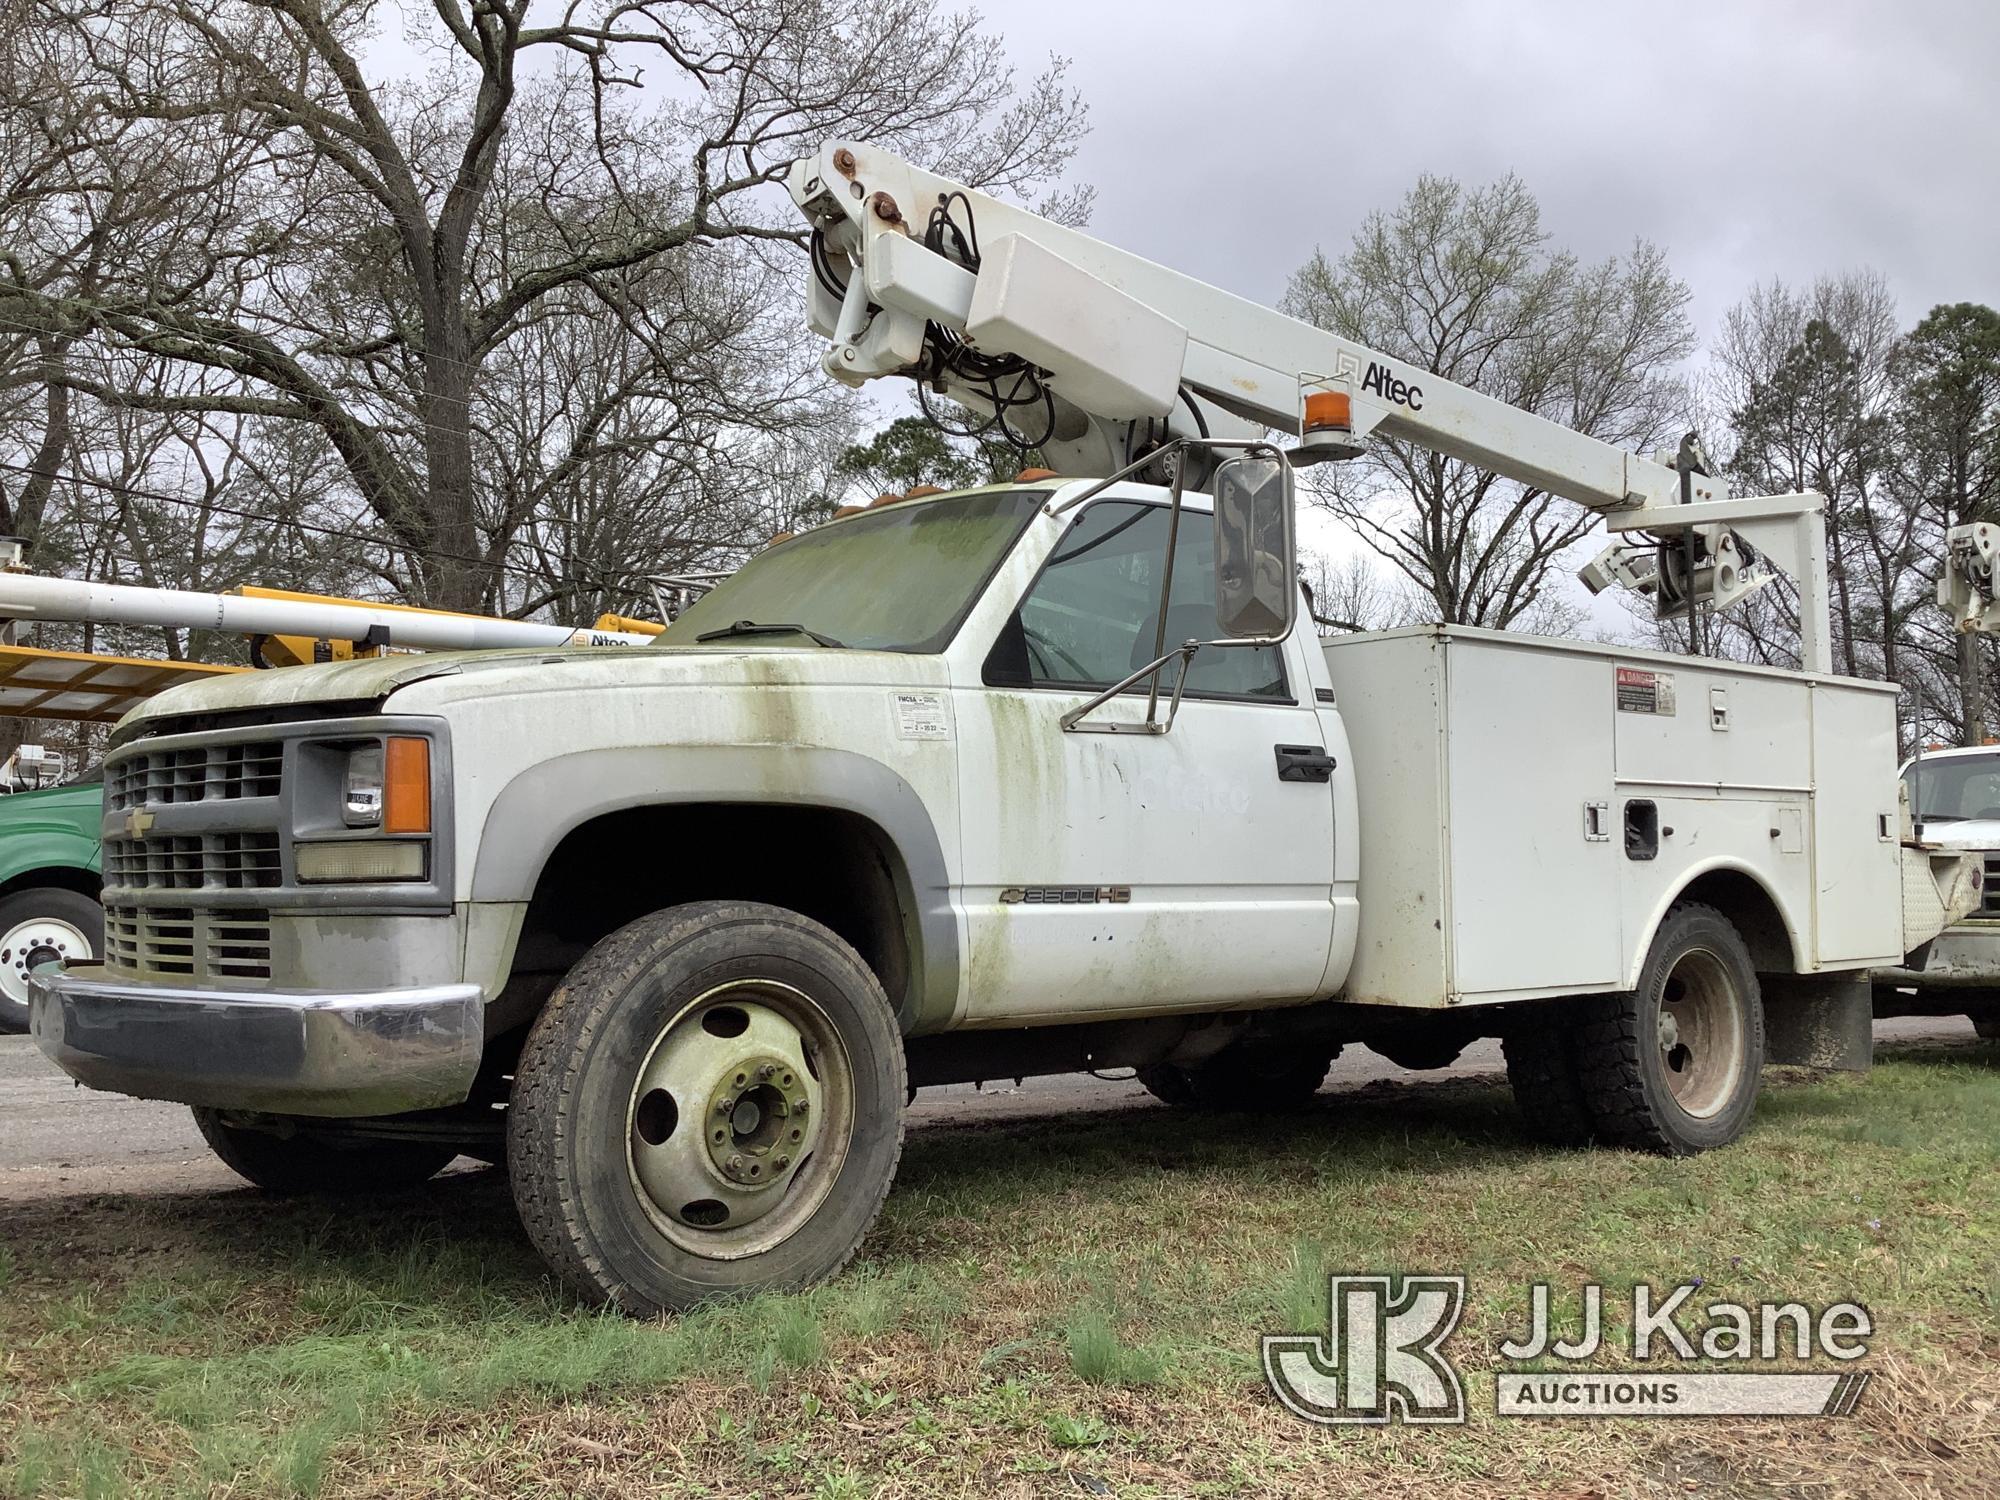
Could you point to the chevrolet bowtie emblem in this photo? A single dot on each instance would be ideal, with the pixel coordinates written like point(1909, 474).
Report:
point(137, 821)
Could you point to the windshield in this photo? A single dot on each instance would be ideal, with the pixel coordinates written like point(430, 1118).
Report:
point(901, 578)
point(1955, 787)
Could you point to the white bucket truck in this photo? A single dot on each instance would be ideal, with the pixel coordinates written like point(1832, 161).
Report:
point(1034, 778)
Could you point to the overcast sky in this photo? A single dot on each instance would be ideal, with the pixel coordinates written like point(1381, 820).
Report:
point(1762, 138)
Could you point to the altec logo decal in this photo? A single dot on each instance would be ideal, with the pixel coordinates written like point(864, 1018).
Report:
point(1381, 381)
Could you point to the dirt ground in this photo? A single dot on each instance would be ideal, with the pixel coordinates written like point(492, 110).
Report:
point(58, 1139)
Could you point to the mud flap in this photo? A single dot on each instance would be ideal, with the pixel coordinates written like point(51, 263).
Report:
point(1819, 1021)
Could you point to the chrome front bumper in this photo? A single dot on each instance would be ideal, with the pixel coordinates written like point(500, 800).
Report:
point(302, 1052)
point(1963, 957)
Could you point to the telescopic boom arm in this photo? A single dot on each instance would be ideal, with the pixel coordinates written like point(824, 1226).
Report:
point(1095, 356)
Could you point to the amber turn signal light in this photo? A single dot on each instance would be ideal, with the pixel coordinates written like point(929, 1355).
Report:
point(406, 785)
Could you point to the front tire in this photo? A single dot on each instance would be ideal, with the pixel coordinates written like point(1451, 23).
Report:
point(1674, 1066)
point(39, 926)
point(308, 1162)
point(710, 1103)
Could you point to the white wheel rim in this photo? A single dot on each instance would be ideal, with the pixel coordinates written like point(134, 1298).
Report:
point(1700, 1024)
point(791, 1035)
point(36, 941)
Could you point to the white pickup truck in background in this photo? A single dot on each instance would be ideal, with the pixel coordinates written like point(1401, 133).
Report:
point(1954, 795)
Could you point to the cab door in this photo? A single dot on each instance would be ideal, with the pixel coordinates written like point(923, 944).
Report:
point(1125, 873)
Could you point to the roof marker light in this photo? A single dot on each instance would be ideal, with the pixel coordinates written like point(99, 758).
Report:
point(1328, 411)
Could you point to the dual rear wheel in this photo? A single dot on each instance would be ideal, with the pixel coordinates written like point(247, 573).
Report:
point(1674, 1066)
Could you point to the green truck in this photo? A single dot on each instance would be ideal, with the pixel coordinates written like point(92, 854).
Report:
point(49, 878)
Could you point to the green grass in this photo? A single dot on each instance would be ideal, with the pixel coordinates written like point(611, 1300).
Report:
point(1075, 1297)
point(1099, 1356)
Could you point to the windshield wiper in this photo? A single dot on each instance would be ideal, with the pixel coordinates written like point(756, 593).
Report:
point(754, 627)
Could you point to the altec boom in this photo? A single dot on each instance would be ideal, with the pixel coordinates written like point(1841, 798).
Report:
point(911, 268)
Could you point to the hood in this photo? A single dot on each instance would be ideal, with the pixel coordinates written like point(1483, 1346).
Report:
point(1963, 833)
point(71, 811)
point(368, 680)
point(360, 685)
point(50, 799)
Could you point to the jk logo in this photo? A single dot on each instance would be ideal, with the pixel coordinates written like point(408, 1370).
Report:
point(1380, 1359)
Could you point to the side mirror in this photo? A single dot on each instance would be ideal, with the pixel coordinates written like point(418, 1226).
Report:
point(1256, 551)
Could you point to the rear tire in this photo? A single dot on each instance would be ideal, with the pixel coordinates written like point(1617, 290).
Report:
point(711, 1103)
point(38, 925)
point(305, 1163)
point(1674, 1066)
point(1988, 1026)
point(1541, 1069)
point(1246, 1077)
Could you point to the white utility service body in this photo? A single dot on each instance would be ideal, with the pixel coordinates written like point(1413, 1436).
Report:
point(1532, 807)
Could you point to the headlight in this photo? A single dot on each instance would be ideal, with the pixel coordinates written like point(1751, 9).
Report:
point(361, 788)
point(388, 786)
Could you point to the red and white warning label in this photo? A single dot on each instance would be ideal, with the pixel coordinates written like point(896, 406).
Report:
point(1645, 692)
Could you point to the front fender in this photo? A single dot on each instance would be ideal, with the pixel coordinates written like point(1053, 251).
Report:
point(24, 851)
point(545, 803)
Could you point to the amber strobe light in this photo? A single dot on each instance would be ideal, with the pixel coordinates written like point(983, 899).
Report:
point(406, 785)
point(1328, 411)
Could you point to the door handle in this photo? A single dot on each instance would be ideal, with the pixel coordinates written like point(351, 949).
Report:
point(1304, 763)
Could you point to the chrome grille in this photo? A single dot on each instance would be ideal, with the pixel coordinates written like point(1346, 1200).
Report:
point(1989, 898)
point(197, 831)
point(188, 942)
point(195, 862)
point(198, 773)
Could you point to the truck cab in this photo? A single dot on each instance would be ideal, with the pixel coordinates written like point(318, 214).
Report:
point(898, 676)
point(1954, 796)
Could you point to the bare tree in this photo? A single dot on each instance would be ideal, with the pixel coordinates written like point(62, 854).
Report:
point(359, 255)
point(1901, 433)
point(1465, 283)
point(1350, 593)
point(1946, 472)
point(1800, 380)
point(56, 243)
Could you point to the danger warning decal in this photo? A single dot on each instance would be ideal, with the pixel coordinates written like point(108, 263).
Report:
point(1644, 692)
